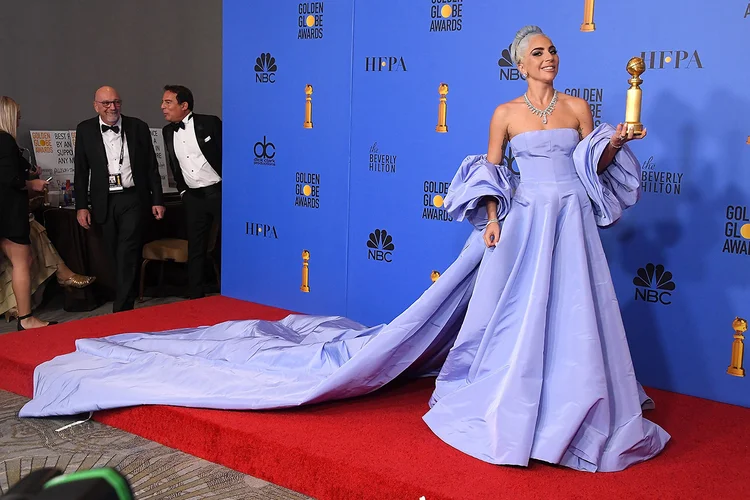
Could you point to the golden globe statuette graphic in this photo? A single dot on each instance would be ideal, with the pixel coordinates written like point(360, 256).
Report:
point(588, 17)
point(434, 275)
point(738, 348)
point(636, 66)
point(748, 139)
point(308, 106)
point(305, 271)
point(442, 109)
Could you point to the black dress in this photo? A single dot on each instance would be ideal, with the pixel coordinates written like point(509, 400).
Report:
point(14, 199)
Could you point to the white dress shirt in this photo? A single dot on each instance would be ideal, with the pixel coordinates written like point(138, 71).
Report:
point(195, 168)
point(112, 144)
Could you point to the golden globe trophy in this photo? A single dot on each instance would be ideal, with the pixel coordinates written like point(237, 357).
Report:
point(442, 109)
point(738, 348)
point(588, 16)
point(305, 271)
point(434, 275)
point(308, 106)
point(636, 66)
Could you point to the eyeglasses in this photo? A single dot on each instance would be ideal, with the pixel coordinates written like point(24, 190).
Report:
point(107, 104)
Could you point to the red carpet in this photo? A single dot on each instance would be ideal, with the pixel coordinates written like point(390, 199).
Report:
point(377, 447)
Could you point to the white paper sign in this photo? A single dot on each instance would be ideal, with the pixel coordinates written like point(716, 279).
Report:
point(167, 181)
point(53, 150)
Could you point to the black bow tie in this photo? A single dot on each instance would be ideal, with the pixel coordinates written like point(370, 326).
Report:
point(179, 125)
point(113, 128)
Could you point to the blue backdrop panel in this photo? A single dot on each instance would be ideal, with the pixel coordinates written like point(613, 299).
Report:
point(678, 258)
point(286, 186)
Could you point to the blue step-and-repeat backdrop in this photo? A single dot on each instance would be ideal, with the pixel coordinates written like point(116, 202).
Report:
point(335, 172)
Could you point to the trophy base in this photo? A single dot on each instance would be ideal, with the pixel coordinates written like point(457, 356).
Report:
point(588, 27)
point(305, 289)
point(441, 128)
point(737, 372)
point(637, 129)
point(308, 125)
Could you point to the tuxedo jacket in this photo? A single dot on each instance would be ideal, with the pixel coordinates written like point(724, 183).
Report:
point(206, 127)
point(91, 158)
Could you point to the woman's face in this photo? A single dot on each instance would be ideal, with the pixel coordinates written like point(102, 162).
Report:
point(541, 61)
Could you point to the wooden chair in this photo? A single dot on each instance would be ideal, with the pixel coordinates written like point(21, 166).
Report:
point(175, 250)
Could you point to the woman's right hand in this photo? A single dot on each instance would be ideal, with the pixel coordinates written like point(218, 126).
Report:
point(492, 234)
point(36, 185)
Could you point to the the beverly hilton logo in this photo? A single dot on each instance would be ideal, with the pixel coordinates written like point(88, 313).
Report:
point(659, 182)
point(654, 284)
point(381, 162)
point(446, 15)
point(380, 246)
point(265, 68)
point(307, 190)
point(310, 20)
point(736, 230)
point(507, 71)
point(588, 16)
point(433, 200)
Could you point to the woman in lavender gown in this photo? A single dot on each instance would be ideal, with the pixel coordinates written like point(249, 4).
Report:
point(523, 329)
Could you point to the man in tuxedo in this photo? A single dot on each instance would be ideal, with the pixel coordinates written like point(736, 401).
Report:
point(115, 153)
point(193, 146)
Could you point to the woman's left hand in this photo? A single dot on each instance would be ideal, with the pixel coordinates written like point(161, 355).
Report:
point(623, 136)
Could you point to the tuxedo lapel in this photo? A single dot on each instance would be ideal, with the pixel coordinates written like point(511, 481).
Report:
point(98, 138)
point(200, 132)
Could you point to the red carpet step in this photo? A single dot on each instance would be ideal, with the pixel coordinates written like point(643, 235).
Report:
point(377, 446)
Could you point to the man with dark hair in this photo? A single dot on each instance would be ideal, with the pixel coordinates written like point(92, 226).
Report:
point(193, 146)
point(116, 155)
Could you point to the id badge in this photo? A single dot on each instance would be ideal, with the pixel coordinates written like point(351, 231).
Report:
point(115, 183)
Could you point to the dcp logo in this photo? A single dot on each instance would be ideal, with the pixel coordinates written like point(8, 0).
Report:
point(265, 152)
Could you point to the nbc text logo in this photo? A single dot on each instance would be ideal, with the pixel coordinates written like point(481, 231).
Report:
point(265, 152)
point(310, 21)
point(433, 200)
point(736, 230)
point(675, 59)
point(507, 71)
point(654, 181)
point(446, 15)
point(594, 97)
point(307, 190)
point(653, 284)
point(262, 230)
point(265, 69)
point(380, 246)
point(381, 162)
point(380, 64)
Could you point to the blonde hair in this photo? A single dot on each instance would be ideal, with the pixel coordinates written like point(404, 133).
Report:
point(8, 115)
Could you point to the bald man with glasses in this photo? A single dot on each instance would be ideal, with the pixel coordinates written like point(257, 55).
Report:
point(116, 155)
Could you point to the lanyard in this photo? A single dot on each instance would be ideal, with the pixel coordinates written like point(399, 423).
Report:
point(122, 147)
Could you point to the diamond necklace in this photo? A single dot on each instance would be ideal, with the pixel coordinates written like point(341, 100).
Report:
point(543, 113)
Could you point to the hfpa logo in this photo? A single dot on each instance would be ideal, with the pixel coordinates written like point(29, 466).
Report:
point(653, 284)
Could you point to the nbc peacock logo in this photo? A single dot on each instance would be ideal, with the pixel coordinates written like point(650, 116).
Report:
point(653, 284)
point(380, 246)
point(265, 68)
point(507, 71)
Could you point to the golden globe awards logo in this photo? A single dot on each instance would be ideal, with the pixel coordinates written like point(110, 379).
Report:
point(672, 59)
point(736, 230)
point(307, 190)
point(595, 98)
point(310, 21)
point(659, 182)
point(381, 162)
point(433, 200)
point(446, 15)
point(507, 69)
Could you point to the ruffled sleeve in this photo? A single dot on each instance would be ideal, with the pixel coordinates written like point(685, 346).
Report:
point(618, 187)
point(475, 179)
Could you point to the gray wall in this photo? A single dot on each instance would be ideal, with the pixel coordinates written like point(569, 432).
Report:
point(56, 53)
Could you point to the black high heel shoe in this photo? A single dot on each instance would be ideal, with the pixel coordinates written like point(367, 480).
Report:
point(21, 328)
